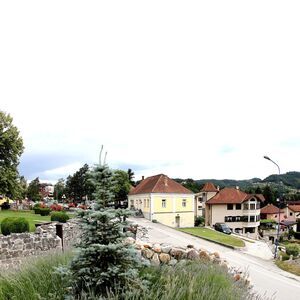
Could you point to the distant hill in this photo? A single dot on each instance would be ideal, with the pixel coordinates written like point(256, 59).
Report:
point(289, 179)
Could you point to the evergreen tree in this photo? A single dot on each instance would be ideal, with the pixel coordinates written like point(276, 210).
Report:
point(33, 191)
point(104, 263)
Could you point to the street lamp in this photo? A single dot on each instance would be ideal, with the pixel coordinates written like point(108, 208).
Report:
point(278, 226)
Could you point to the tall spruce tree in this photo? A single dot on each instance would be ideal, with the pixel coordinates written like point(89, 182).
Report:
point(104, 263)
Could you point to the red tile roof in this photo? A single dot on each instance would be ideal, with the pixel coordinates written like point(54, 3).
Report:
point(209, 187)
point(231, 195)
point(269, 209)
point(159, 184)
point(295, 208)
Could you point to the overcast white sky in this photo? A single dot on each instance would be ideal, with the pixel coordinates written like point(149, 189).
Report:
point(199, 89)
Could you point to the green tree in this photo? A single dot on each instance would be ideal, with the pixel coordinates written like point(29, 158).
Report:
point(78, 186)
point(131, 176)
point(11, 148)
point(22, 187)
point(121, 187)
point(59, 188)
point(33, 191)
point(258, 190)
point(268, 194)
point(103, 263)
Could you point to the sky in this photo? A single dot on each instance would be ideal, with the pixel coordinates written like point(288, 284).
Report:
point(191, 89)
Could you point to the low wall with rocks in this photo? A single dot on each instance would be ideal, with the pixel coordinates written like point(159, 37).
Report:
point(17, 246)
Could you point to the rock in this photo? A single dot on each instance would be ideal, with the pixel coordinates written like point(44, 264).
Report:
point(157, 248)
point(147, 253)
point(216, 254)
point(164, 258)
point(190, 246)
point(237, 277)
point(155, 260)
point(204, 255)
point(166, 248)
point(129, 241)
point(192, 254)
point(177, 253)
point(147, 245)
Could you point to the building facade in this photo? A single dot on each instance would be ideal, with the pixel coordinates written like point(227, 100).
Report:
point(239, 210)
point(206, 193)
point(164, 200)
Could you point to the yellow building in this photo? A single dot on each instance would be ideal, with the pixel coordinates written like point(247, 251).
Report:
point(165, 200)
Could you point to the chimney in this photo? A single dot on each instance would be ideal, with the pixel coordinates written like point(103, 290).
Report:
point(237, 187)
point(143, 177)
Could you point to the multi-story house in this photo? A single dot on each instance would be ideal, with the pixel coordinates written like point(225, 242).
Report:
point(164, 200)
point(239, 210)
point(207, 192)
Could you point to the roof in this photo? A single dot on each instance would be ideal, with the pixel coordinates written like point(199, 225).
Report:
point(231, 196)
point(295, 208)
point(209, 187)
point(269, 209)
point(288, 223)
point(227, 196)
point(261, 197)
point(159, 184)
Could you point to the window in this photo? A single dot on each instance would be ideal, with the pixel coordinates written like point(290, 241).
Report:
point(131, 203)
point(252, 206)
point(257, 205)
point(238, 218)
point(257, 218)
point(291, 214)
point(163, 203)
point(199, 207)
point(252, 219)
point(246, 206)
point(183, 202)
point(238, 206)
point(229, 206)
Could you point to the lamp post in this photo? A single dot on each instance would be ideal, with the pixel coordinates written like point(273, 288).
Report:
point(278, 226)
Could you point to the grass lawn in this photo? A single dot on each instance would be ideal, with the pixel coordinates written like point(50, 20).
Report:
point(29, 215)
point(288, 267)
point(214, 236)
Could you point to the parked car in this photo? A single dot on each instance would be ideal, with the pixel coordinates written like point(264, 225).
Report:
point(222, 227)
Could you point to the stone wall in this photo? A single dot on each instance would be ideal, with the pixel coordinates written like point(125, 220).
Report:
point(17, 246)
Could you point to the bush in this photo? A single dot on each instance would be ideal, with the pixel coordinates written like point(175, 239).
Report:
point(45, 211)
point(59, 216)
point(5, 205)
point(14, 225)
point(199, 221)
point(297, 235)
point(292, 250)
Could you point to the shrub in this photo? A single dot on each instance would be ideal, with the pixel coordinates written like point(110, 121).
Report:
point(292, 250)
point(45, 211)
point(14, 225)
point(297, 235)
point(59, 216)
point(199, 221)
point(5, 205)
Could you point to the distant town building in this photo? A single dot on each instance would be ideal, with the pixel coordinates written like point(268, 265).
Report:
point(164, 200)
point(46, 190)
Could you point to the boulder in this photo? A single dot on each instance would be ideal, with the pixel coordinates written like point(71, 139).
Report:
point(177, 253)
point(204, 255)
point(129, 241)
point(192, 254)
point(166, 248)
point(147, 245)
point(155, 260)
point(164, 258)
point(156, 248)
point(173, 262)
point(147, 253)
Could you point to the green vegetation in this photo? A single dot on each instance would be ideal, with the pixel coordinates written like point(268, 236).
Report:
point(42, 279)
point(36, 280)
point(59, 216)
point(215, 236)
point(199, 221)
point(28, 215)
point(289, 266)
point(292, 249)
point(14, 225)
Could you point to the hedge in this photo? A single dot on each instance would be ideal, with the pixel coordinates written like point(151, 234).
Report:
point(14, 225)
point(45, 211)
point(59, 216)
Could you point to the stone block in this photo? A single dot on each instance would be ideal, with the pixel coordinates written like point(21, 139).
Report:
point(147, 253)
point(155, 260)
point(164, 258)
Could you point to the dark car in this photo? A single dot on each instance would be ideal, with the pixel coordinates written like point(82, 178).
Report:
point(222, 227)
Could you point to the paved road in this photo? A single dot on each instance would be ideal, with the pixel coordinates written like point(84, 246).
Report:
point(267, 279)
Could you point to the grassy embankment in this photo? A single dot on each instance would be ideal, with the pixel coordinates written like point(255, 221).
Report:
point(214, 236)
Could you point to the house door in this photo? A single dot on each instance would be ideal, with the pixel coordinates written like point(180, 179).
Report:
point(177, 221)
